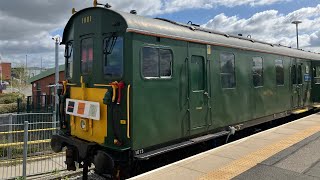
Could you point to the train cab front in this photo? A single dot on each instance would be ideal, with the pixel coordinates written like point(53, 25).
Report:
point(93, 103)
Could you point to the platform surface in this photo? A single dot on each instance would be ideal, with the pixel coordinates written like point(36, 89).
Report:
point(290, 151)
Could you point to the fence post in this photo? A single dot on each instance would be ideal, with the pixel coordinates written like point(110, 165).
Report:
point(54, 125)
point(18, 105)
point(25, 149)
point(10, 137)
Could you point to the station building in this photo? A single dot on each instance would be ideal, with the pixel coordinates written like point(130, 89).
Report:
point(42, 98)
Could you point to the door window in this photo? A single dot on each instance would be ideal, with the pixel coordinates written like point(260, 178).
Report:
point(257, 71)
point(279, 72)
point(197, 73)
point(294, 74)
point(227, 74)
point(299, 74)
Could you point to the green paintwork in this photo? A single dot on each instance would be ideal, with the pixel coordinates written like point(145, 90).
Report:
point(165, 111)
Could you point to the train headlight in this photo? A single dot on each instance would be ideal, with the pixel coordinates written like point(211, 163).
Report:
point(83, 124)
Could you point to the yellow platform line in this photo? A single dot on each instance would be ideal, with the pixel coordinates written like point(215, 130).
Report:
point(30, 159)
point(21, 143)
point(33, 130)
point(299, 111)
point(245, 163)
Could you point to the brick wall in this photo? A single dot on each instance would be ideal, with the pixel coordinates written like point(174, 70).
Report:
point(41, 85)
point(6, 71)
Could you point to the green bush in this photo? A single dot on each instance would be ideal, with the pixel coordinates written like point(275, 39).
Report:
point(12, 107)
point(9, 98)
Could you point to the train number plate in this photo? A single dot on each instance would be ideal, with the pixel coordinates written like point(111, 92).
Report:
point(85, 109)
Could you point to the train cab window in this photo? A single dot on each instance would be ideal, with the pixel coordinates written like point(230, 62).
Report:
point(69, 60)
point(279, 72)
point(257, 71)
point(299, 74)
point(86, 55)
point(113, 57)
point(316, 74)
point(156, 63)
point(227, 74)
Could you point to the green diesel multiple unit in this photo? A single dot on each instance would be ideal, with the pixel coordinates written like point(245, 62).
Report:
point(138, 87)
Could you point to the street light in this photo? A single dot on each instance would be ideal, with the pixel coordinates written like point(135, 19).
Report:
point(57, 41)
point(296, 23)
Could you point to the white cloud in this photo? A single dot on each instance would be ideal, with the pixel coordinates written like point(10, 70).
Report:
point(26, 26)
point(274, 27)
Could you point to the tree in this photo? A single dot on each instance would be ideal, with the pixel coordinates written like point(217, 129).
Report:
point(19, 78)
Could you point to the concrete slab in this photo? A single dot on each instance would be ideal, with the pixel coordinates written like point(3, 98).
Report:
point(314, 171)
point(264, 172)
point(179, 173)
point(286, 131)
point(302, 159)
point(234, 152)
point(207, 164)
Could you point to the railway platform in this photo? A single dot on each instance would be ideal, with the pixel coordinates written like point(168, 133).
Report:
point(289, 151)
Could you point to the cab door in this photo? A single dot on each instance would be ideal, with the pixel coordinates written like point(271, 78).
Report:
point(198, 86)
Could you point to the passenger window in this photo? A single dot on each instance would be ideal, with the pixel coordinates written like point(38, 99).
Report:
point(316, 75)
point(197, 73)
point(156, 63)
point(86, 55)
point(227, 74)
point(257, 71)
point(113, 57)
point(299, 77)
point(279, 72)
point(69, 59)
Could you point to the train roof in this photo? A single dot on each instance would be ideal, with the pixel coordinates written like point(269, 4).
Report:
point(170, 29)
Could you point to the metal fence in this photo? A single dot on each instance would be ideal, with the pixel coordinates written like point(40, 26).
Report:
point(25, 146)
point(40, 103)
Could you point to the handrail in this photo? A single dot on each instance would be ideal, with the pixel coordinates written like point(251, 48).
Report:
point(128, 111)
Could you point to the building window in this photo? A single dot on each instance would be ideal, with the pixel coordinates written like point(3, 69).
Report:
point(86, 55)
point(69, 59)
point(113, 57)
point(257, 71)
point(156, 62)
point(227, 74)
point(316, 74)
point(279, 72)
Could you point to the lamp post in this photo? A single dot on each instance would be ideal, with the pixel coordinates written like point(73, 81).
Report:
point(297, 23)
point(57, 40)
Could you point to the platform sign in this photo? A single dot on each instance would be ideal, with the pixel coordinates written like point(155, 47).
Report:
point(85, 109)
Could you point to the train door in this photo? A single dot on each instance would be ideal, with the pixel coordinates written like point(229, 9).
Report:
point(294, 83)
point(315, 81)
point(300, 81)
point(198, 86)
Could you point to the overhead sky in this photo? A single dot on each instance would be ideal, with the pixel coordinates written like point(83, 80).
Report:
point(26, 27)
